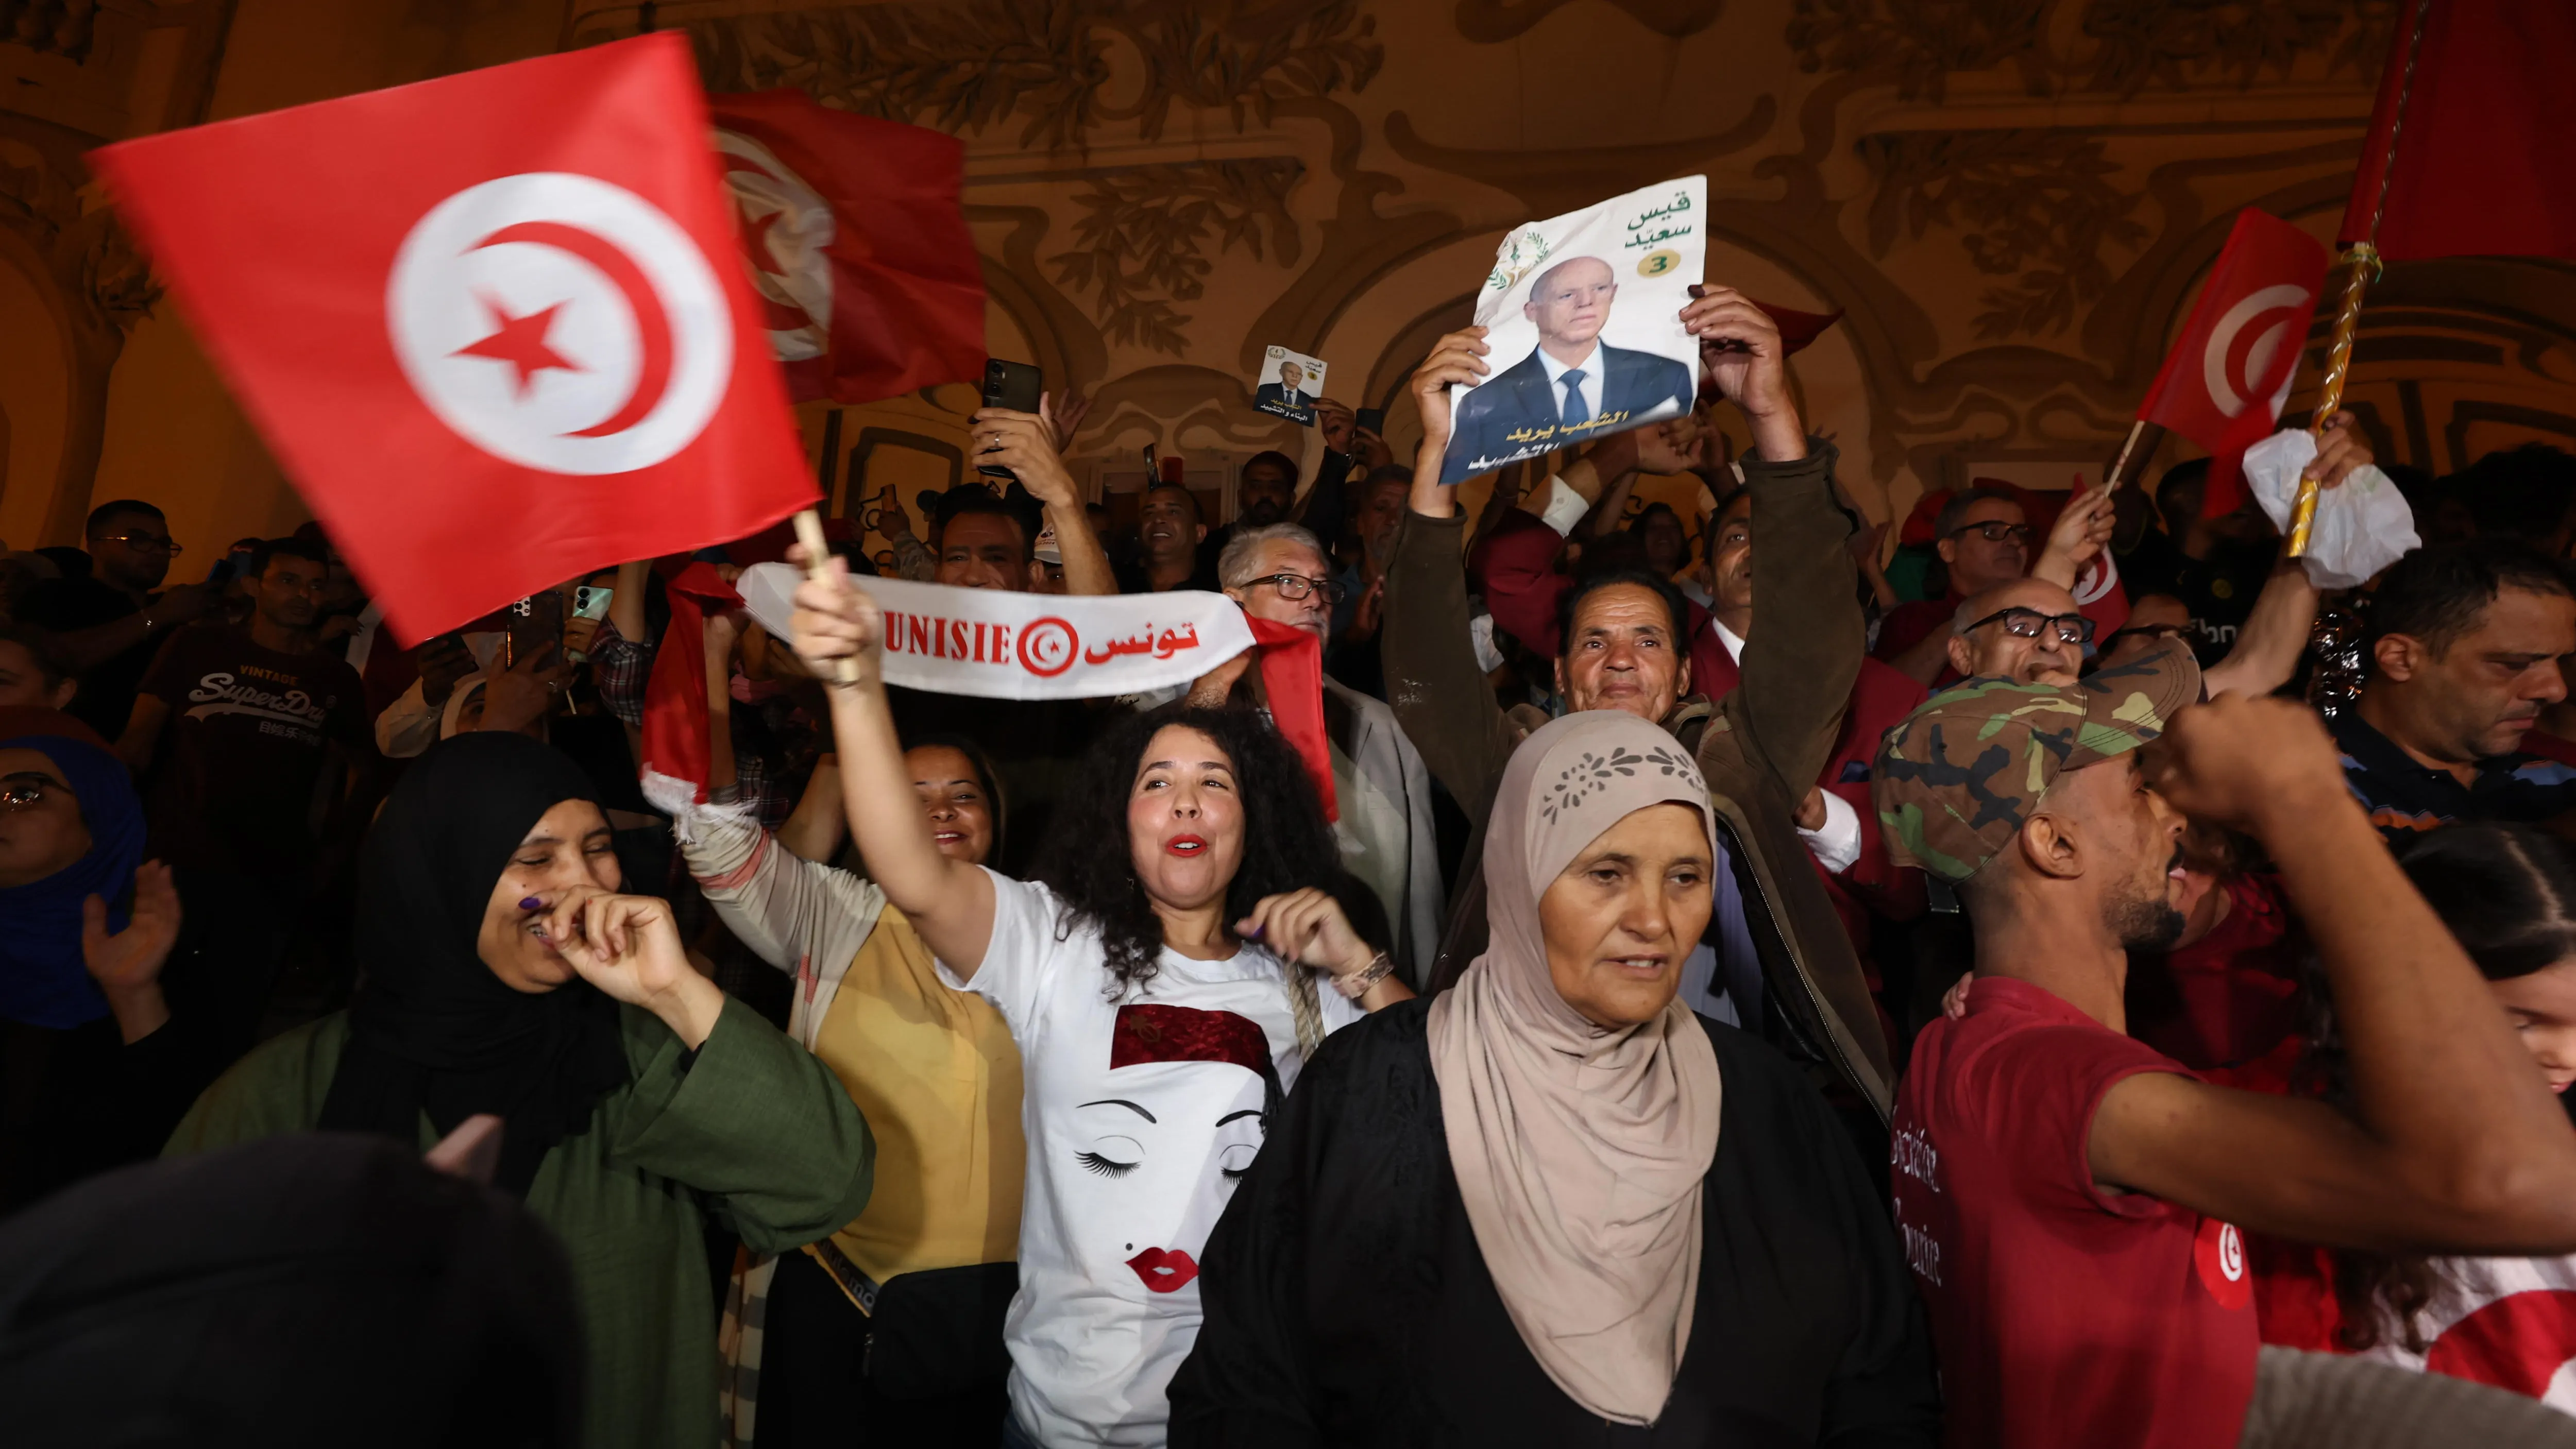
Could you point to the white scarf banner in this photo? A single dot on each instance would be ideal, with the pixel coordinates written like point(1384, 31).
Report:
point(1003, 645)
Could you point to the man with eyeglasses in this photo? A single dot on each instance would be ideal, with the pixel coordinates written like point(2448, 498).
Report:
point(112, 622)
point(1277, 572)
point(2028, 631)
point(1984, 541)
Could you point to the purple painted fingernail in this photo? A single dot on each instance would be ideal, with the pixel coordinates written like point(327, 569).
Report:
point(531, 903)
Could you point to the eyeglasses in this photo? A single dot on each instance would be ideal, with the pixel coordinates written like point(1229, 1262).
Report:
point(1293, 587)
point(2028, 624)
point(145, 543)
point(1995, 531)
point(27, 789)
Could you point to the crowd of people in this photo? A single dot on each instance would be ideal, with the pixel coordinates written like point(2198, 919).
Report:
point(2015, 996)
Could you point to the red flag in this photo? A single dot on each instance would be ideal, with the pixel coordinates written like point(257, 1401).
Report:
point(869, 284)
point(2476, 161)
point(492, 325)
point(2223, 384)
point(678, 750)
point(1292, 682)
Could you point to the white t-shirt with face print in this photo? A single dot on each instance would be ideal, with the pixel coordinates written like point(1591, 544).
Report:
point(1129, 1165)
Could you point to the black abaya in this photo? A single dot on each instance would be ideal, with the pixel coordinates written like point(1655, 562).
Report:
point(1347, 1303)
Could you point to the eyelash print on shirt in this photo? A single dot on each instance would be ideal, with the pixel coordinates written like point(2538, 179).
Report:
point(1104, 1166)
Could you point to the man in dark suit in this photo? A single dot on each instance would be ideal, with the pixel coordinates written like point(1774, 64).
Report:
point(1283, 397)
point(1573, 387)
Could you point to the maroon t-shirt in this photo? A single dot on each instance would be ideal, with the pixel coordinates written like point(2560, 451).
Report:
point(2065, 1314)
point(243, 747)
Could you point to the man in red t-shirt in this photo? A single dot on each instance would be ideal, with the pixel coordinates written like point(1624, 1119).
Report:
point(2069, 1197)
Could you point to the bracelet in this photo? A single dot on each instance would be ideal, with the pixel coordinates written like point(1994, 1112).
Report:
point(1357, 984)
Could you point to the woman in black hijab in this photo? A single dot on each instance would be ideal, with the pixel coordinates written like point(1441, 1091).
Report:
point(503, 973)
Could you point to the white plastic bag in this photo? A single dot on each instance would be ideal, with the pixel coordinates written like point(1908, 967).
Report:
point(2362, 525)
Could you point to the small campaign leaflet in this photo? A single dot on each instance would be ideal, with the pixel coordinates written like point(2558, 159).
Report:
point(1583, 318)
point(1289, 384)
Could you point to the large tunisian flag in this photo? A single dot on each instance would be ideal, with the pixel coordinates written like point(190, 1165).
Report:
point(2471, 140)
point(494, 326)
point(869, 285)
point(2223, 384)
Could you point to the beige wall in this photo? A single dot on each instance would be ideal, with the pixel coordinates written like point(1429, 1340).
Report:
point(2015, 220)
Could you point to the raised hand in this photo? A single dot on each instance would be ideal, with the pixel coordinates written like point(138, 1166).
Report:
point(2250, 763)
point(1749, 366)
point(1457, 359)
point(1064, 419)
point(835, 620)
point(1335, 421)
point(1025, 444)
point(127, 964)
point(2082, 531)
point(2340, 449)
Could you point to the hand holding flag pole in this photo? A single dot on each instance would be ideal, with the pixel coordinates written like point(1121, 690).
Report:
point(818, 554)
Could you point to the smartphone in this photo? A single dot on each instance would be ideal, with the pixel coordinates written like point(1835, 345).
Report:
point(536, 623)
point(1370, 420)
point(1018, 386)
point(589, 606)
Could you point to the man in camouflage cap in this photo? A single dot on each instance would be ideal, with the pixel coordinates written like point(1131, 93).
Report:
point(1962, 776)
point(2066, 1194)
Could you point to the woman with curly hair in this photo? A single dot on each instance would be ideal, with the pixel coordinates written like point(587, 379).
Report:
point(1156, 977)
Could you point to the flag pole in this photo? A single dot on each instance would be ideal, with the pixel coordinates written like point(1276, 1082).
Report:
point(2120, 465)
point(818, 550)
point(2362, 261)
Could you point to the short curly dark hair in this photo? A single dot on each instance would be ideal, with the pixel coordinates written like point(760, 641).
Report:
point(1286, 843)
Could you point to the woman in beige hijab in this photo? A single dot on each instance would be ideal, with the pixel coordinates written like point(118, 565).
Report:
point(1553, 1206)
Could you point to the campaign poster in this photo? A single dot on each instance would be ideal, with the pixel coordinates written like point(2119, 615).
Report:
point(1583, 319)
point(1289, 384)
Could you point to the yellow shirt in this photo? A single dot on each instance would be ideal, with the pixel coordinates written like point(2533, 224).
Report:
point(936, 1076)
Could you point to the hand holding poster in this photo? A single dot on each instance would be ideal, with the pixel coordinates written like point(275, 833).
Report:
point(1288, 386)
point(1583, 313)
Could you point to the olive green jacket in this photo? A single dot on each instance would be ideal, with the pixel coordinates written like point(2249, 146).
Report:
point(750, 1126)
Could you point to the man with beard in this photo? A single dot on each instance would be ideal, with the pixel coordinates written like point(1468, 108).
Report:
point(2463, 647)
point(252, 725)
point(2069, 1196)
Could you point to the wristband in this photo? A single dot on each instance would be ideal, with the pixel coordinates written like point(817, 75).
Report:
point(1357, 984)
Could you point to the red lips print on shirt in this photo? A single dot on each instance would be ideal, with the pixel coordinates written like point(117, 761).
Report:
point(1165, 1270)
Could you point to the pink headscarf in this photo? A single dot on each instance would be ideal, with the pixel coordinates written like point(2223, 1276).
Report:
point(1579, 1149)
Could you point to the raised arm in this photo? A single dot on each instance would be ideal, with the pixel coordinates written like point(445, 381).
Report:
point(2276, 632)
point(1440, 696)
point(1025, 444)
point(1805, 651)
point(2454, 1143)
point(949, 901)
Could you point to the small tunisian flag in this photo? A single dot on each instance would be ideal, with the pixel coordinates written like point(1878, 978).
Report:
point(2223, 384)
point(494, 326)
point(869, 286)
point(2473, 150)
